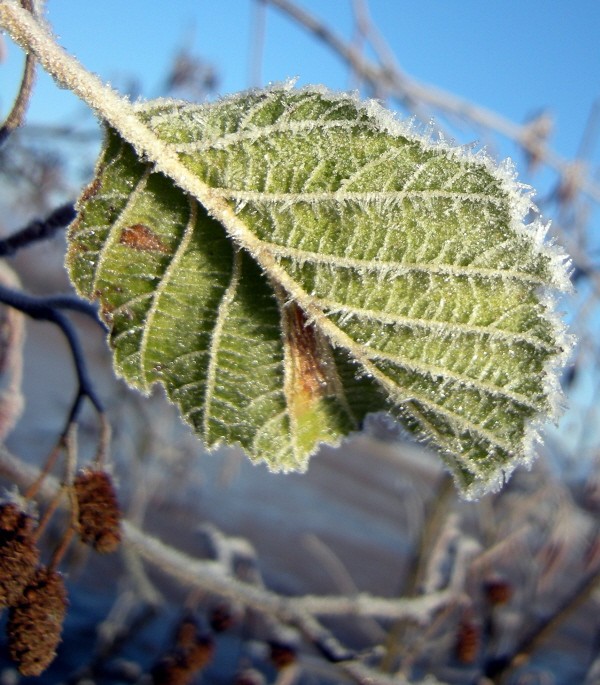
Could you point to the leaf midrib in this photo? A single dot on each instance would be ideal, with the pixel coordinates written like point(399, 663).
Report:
point(358, 196)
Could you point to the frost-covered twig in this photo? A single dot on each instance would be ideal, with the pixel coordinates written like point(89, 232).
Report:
point(209, 575)
point(367, 676)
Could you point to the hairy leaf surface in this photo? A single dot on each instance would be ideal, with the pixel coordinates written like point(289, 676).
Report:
point(378, 271)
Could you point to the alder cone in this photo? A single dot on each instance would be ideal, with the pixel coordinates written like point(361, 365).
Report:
point(35, 622)
point(19, 554)
point(99, 514)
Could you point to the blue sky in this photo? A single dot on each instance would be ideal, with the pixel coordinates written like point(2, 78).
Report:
point(510, 56)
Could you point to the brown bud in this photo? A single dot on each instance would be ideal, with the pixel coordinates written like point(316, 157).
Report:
point(468, 638)
point(193, 647)
point(193, 651)
point(19, 555)
point(99, 514)
point(182, 665)
point(222, 617)
point(35, 622)
point(282, 654)
point(498, 591)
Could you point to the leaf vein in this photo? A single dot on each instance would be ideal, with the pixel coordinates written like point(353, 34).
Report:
point(215, 341)
point(334, 307)
point(164, 281)
point(392, 269)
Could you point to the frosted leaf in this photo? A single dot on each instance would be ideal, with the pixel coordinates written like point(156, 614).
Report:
point(383, 271)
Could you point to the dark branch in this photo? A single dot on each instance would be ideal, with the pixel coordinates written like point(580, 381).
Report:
point(39, 229)
point(32, 305)
point(48, 309)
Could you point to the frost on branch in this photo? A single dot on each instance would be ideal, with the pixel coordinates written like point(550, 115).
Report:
point(378, 271)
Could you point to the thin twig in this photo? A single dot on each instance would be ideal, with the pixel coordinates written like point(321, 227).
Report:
point(48, 514)
point(70, 442)
point(46, 309)
point(37, 306)
point(257, 49)
point(38, 229)
point(17, 114)
point(548, 626)
point(56, 451)
point(103, 442)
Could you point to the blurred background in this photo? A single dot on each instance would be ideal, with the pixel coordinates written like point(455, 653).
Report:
point(387, 567)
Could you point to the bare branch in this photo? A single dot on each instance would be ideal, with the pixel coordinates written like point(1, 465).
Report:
point(38, 229)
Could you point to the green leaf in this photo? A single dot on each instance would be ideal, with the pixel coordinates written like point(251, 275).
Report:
point(379, 270)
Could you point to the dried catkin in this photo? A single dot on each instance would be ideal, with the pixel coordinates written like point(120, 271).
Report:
point(19, 555)
point(35, 622)
point(99, 514)
point(192, 652)
point(181, 667)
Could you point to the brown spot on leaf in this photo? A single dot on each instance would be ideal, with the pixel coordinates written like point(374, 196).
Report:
point(141, 237)
point(106, 309)
point(306, 354)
